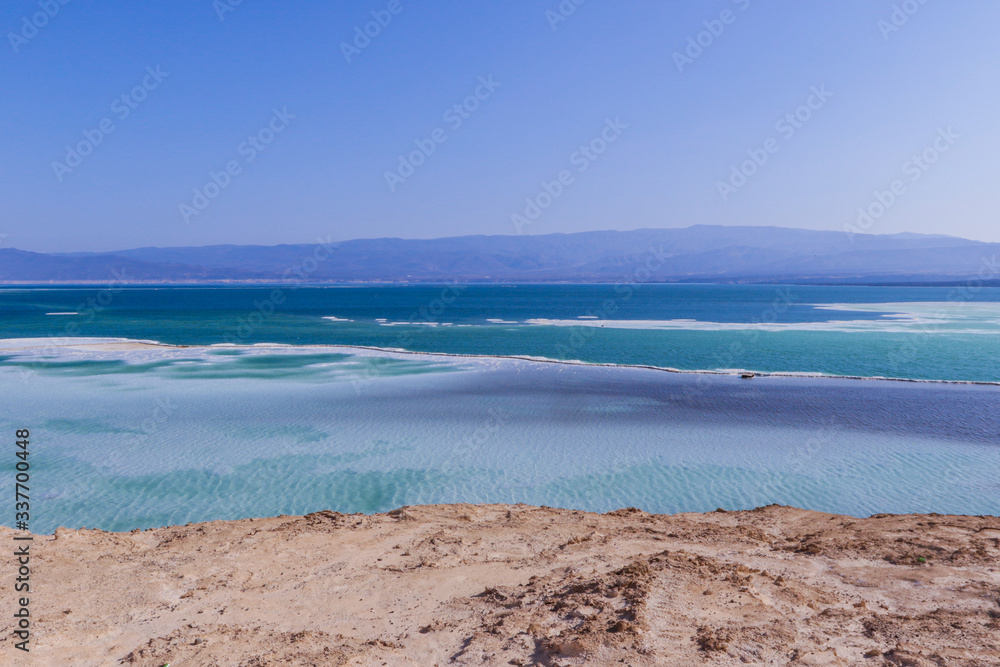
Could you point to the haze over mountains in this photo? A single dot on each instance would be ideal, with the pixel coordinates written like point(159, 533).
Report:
point(694, 254)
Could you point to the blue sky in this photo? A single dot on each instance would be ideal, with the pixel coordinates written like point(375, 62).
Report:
point(660, 133)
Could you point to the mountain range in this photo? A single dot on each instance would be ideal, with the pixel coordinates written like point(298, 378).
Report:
point(702, 253)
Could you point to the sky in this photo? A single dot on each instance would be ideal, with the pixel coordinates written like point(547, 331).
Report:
point(198, 122)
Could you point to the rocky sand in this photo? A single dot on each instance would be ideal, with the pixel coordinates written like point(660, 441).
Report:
point(519, 585)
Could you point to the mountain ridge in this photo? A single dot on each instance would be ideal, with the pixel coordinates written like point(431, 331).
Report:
point(702, 253)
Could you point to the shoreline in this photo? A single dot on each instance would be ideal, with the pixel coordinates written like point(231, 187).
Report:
point(286, 430)
point(522, 585)
point(142, 344)
point(401, 511)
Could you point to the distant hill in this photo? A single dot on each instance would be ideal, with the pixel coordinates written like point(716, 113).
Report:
point(700, 253)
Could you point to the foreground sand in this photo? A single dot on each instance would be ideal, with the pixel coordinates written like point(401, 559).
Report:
point(519, 585)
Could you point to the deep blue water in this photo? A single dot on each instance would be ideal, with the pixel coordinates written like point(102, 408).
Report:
point(126, 437)
point(907, 332)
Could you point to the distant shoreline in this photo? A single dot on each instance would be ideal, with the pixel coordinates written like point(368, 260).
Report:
point(110, 344)
point(718, 254)
point(749, 282)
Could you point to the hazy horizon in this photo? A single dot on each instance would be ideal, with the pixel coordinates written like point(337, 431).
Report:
point(436, 238)
point(193, 124)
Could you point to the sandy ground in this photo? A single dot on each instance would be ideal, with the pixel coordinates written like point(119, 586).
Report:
point(518, 585)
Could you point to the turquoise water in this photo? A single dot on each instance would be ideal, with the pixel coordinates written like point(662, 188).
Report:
point(224, 427)
point(902, 332)
point(127, 439)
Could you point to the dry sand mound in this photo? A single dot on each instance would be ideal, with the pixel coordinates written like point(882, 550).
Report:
point(519, 585)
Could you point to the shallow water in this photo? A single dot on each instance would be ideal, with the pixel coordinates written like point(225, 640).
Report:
point(902, 332)
point(127, 439)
